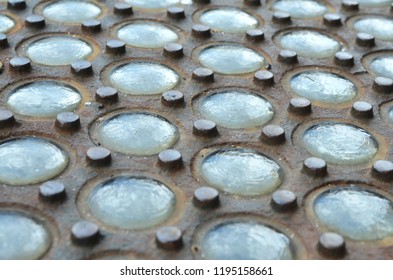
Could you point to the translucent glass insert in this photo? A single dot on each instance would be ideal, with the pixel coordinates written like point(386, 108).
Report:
point(58, 50)
point(145, 34)
point(236, 109)
point(241, 172)
point(21, 237)
point(30, 160)
point(143, 78)
point(153, 4)
point(132, 202)
point(245, 241)
point(310, 43)
point(374, 3)
point(6, 24)
point(71, 11)
point(43, 99)
point(323, 86)
point(231, 59)
point(229, 20)
point(380, 27)
point(382, 66)
point(340, 143)
point(137, 134)
point(356, 213)
point(300, 8)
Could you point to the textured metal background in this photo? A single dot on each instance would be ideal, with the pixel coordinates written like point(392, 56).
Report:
point(191, 220)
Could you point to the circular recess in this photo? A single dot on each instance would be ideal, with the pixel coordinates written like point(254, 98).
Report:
point(231, 59)
point(135, 133)
point(379, 26)
point(308, 43)
point(320, 84)
point(71, 11)
point(45, 49)
point(6, 23)
point(379, 63)
point(243, 237)
point(340, 143)
point(30, 160)
point(228, 20)
point(129, 202)
point(301, 8)
point(136, 78)
point(22, 237)
point(153, 4)
point(146, 34)
point(354, 211)
point(235, 109)
point(240, 171)
point(374, 3)
point(43, 98)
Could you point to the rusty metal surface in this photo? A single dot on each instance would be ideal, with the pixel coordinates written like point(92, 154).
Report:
point(79, 176)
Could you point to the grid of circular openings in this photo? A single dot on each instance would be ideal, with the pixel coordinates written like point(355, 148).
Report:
point(235, 109)
point(22, 237)
point(228, 20)
point(135, 78)
point(231, 59)
point(340, 143)
point(301, 8)
point(355, 212)
point(136, 133)
point(30, 160)
point(6, 23)
point(46, 49)
point(241, 171)
point(43, 98)
point(323, 86)
point(309, 43)
point(71, 11)
point(144, 202)
point(245, 241)
point(146, 34)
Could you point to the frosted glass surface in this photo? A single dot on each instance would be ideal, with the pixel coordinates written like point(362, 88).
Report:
point(300, 9)
point(380, 27)
point(71, 11)
point(6, 23)
point(382, 66)
point(152, 4)
point(374, 3)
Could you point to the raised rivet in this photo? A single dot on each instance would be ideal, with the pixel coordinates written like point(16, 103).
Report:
point(281, 18)
point(169, 238)
point(20, 64)
point(115, 47)
point(82, 68)
point(315, 167)
point(106, 94)
point(252, 2)
point(91, 26)
point(67, 121)
point(3, 41)
point(206, 197)
point(300, 105)
point(123, 9)
point(331, 244)
point(365, 39)
point(16, 4)
point(264, 77)
point(176, 13)
point(35, 21)
point(383, 84)
point(273, 134)
point(173, 50)
point(201, 1)
point(283, 200)
point(344, 58)
point(6, 118)
point(201, 31)
point(350, 5)
point(255, 35)
point(85, 233)
point(203, 75)
point(98, 156)
point(172, 98)
point(52, 191)
point(382, 169)
point(205, 128)
point(170, 159)
point(332, 20)
point(287, 56)
point(362, 109)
